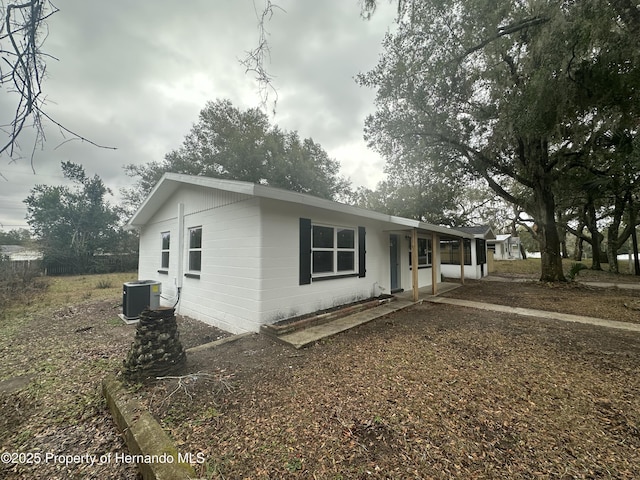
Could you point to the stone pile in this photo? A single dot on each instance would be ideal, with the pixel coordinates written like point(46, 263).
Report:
point(156, 350)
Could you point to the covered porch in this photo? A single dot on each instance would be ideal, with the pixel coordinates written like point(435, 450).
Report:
point(423, 243)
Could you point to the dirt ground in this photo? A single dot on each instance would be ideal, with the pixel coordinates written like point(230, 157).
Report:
point(619, 304)
point(432, 392)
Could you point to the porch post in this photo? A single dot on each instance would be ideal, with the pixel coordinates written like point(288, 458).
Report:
point(461, 261)
point(414, 263)
point(435, 262)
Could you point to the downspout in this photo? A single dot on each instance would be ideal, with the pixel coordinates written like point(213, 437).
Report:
point(181, 253)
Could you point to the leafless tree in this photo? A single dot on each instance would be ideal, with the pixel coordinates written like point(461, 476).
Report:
point(23, 65)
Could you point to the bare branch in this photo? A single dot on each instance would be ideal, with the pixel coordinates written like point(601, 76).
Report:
point(23, 30)
point(256, 59)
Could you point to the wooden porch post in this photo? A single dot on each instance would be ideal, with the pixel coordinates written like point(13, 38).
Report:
point(414, 263)
point(462, 261)
point(435, 262)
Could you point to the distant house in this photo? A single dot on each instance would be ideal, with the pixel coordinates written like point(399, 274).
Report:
point(475, 253)
point(506, 247)
point(18, 253)
point(238, 255)
point(21, 258)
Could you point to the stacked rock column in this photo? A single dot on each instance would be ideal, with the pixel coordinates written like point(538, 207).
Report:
point(156, 350)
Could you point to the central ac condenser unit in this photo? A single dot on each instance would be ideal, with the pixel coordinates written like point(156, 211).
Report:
point(138, 295)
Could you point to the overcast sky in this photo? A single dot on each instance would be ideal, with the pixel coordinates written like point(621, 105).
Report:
point(135, 74)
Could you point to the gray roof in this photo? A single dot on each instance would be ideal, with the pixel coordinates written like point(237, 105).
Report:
point(480, 231)
point(170, 182)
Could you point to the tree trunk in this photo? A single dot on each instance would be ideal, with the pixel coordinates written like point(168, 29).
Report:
point(596, 237)
point(613, 233)
point(551, 259)
point(562, 233)
point(633, 218)
point(578, 250)
point(636, 261)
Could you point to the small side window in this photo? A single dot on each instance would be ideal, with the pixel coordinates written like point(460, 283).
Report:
point(166, 243)
point(195, 249)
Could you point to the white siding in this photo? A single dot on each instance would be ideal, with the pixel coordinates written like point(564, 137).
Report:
point(227, 293)
point(425, 274)
point(283, 297)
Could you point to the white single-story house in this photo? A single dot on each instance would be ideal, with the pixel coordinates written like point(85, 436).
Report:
point(475, 253)
point(239, 255)
point(505, 247)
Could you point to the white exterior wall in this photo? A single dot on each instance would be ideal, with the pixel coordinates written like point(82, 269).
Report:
point(282, 296)
point(250, 259)
point(508, 249)
point(500, 251)
point(425, 274)
point(227, 294)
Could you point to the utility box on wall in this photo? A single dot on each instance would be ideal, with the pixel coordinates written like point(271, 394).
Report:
point(138, 295)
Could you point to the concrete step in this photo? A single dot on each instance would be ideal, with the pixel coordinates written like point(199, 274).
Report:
point(308, 336)
point(295, 324)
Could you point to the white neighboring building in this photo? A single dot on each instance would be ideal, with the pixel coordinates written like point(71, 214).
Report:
point(505, 247)
point(18, 253)
point(475, 253)
point(238, 255)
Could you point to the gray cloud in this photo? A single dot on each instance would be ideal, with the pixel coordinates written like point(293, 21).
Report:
point(135, 75)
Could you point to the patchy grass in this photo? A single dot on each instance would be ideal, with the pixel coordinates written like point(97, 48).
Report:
point(65, 341)
point(434, 392)
point(531, 268)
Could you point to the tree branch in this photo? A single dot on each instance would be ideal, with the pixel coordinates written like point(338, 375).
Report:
point(256, 59)
point(23, 29)
point(504, 31)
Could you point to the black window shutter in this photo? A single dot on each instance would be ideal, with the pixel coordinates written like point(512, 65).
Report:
point(305, 251)
point(362, 266)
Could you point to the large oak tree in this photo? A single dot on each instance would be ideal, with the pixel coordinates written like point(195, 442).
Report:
point(227, 142)
point(520, 93)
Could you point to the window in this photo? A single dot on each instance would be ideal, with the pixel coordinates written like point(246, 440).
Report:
point(481, 251)
point(166, 242)
point(424, 253)
point(450, 252)
point(195, 249)
point(333, 250)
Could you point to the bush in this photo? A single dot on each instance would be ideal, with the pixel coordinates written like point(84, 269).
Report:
point(575, 269)
point(103, 284)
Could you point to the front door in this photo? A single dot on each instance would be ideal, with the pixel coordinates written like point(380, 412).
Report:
point(394, 263)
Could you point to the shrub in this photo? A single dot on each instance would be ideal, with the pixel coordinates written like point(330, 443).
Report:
point(104, 284)
point(575, 269)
